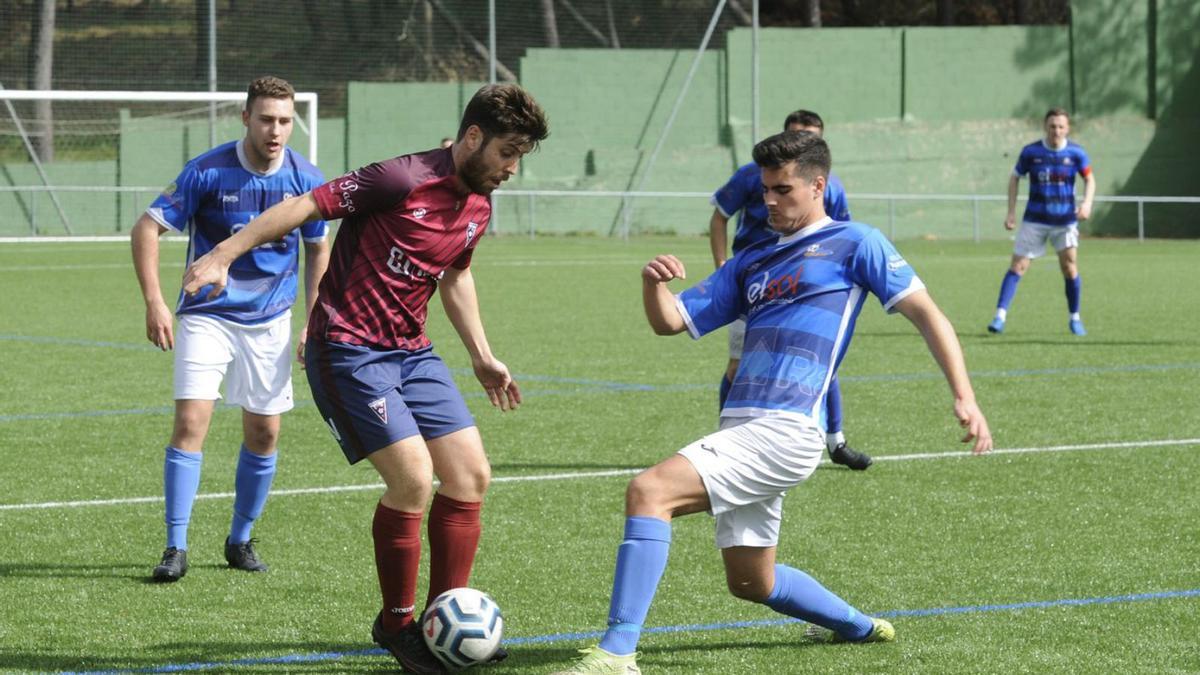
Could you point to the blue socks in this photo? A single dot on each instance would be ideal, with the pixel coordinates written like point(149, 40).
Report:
point(833, 407)
point(1073, 288)
point(181, 481)
point(1008, 288)
point(800, 596)
point(641, 560)
point(251, 484)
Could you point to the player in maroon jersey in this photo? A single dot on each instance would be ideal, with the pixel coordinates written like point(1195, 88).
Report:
point(409, 227)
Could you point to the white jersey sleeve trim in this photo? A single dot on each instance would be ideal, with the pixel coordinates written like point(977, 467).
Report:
point(157, 214)
point(713, 200)
point(687, 319)
point(913, 286)
point(315, 240)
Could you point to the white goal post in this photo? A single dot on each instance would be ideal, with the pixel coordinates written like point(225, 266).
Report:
point(307, 97)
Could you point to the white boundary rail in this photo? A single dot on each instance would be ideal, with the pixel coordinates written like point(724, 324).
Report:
point(532, 196)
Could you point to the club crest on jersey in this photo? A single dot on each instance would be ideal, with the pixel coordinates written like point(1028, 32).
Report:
point(379, 407)
point(815, 251)
point(471, 229)
point(1067, 161)
point(419, 213)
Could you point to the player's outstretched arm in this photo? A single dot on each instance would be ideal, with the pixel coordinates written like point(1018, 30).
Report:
point(1089, 192)
point(661, 312)
point(1014, 183)
point(143, 238)
point(457, 290)
point(271, 225)
point(316, 261)
point(718, 237)
point(939, 335)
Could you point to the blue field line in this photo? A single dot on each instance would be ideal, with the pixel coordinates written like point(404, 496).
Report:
point(685, 628)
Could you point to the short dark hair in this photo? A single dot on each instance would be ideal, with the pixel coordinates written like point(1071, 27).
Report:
point(505, 109)
point(269, 87)
point(808, 150)
point(805, 118)
point(1056, 112)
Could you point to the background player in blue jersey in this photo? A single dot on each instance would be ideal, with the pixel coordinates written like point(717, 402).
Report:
point(800, 295)
point(743, 193)
point(1050, 215)
point(242, 335)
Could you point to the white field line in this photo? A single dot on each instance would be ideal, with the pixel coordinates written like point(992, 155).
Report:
point(601, 474)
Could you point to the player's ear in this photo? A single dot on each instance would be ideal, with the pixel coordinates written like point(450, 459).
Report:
point(245, 118)
point(474, 138)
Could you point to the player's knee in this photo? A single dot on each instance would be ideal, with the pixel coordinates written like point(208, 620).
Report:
point(260, 440)
point(752, 590)
point(469, 484)
point(644, 494)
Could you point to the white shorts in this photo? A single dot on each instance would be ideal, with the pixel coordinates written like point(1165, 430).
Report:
point(1032, 238)
point(737, 338)
point(747, 467)
point(258, 360)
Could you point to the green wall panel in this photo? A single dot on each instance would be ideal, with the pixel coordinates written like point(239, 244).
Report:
point(992, 72)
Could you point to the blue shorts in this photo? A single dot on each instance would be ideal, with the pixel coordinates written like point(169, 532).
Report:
point(372, 398)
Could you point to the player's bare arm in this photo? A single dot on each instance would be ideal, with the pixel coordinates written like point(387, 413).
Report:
point(1089, 192)
point(316, 261)
point(1010, 221)
point(160, 329)
point(718, 237)
point(213, 267)
point(457, 290)
point(939, 335)
point(661, 312)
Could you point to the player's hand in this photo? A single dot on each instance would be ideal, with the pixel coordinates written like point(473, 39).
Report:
point(1084, 211)
point(1010, 222)
point(971, 418)
point(205, 270)
point(663, 269)
point(303, 337)
point(160, 329)
point(501, 390)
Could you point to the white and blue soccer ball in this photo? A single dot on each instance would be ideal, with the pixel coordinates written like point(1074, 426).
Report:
point(463, 627)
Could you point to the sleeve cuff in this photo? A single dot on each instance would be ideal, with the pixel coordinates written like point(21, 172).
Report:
point(913, 286)
point(687, 318)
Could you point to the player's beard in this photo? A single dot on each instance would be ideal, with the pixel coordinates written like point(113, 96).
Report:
point(475, 173)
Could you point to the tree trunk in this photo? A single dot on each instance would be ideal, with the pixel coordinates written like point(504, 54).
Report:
point(41, 76)
point(945, 13)
point(812, 13)
point(551, 25)
point(202, 55)
point(1021, 11)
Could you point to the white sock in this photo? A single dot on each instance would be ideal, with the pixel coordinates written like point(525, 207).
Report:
point(835, 439)
point(1001, 313)
point(1075, 316)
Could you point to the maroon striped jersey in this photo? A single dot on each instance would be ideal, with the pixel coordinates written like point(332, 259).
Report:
point(405, 220)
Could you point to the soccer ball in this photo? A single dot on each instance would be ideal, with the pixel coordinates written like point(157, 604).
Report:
point(463, 627)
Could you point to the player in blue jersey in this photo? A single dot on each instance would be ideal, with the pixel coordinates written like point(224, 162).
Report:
point(1050, 215)
point(743, 193)
point(800, 295)
point(242, 335)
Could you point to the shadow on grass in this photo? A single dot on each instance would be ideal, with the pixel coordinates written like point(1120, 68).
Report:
point(572, 466)
point(110, 570)
point(324, 657)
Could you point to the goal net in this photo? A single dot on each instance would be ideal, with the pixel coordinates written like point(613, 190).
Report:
point(88, 162)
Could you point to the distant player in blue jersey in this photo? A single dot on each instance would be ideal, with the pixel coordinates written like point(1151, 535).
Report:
point(743, 193)
point(800, 294)
point(1050, 215)
point(242, 335)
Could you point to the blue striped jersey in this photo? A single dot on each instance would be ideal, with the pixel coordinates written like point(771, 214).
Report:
point(1052, 181)
point(744, 192)
point(800, 296)
point(216, 195)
